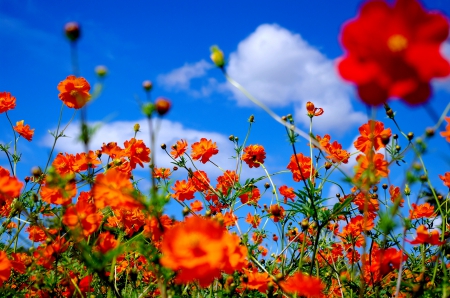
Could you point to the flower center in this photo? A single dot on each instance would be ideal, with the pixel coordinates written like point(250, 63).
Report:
point(397, 43)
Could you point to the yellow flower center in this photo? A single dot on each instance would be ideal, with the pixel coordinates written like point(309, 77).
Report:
point(397, 43)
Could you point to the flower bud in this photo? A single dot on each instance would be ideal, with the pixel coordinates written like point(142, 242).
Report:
point(72, 31)
point(385, 186)
point(147, 85)
point(407, 190)
point(429, 132)
point(266, 185)
point(148, 109)
point(162, 106)
point(217, 57)
point(251, 119)
point(136, 127)
point(163, 146)
point(410, 136)
point(101, 71)
point(231, 138)
point(328, 165)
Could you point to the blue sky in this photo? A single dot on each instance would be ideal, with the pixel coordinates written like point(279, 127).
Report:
point(283, 53)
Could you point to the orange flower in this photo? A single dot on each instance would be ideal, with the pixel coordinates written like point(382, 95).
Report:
point(254, 220)
point(130, 220)
point(420, 211)
point(204, 150)
point(36, 234)
point(154, 227)
point(251, 197)
point(10, 187)
point(106, 242)
point(179, 149)
point(200, 249)
point(114, 189)
point(74, 92)
point(183, 190)
point(112, 150)
point(199, 180)
point(255, 281)
point(445, 134)
point(196, 206)
point(83, 217)
point(301, 167)
point(303, 285)
point(7, 102)
point(362, 199)
point(24, 130)
point(372, 136)
point(254, 155)
point(226, 181)
point(161, 173)
point(276, 212)
point(446, 178)
point(287, 192)
point(5, 267)
point(137, 152)
point(54, 194)
point(312, 110)
point(371, 168)
point(423, 236)
point(394, 191)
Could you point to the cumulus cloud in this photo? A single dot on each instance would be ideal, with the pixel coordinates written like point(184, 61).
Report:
point(280, 68)
point(169, 133)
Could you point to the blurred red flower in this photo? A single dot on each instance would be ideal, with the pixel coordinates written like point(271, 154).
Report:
point(394, 51)
point(7, 102)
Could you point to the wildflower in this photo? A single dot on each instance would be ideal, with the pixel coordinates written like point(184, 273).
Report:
point(179, 149)
point(200, 249)
point(162, 106)
point(371, 168)
point(254, 280)
point(254, 220)
point(301, 167)
point(277, 212)
point(183, 190)
point(204, 150)
point(105, 242)
point(312, 110)
point(24, 130)
point(254, 155)
point(287, 192)
point(196, 206)
point(419, 211)
point(112, 150)
point(114, 189)
point(161, 173)
point(445, 134)
point(394, 191)
point(10, 187)
point(372, 135)
point(137, 152)
point(200, 180)
point(446, 179)
point(394, 51)
point(303, 285)
point(59, 195)
point(252, 196)
point(83, 216)
point(226, 181)
point(5, 267)
point(423, 236)
point(74, 92)
point(7, 102)
point(36, 234)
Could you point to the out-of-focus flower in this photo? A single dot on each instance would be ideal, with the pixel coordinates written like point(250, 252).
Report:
point(74, 92)
point(446, 179)
point(420, 211)
point(72, 31)
point(162, 106)
point(303, 285)
point(423, 236)
point(394, 51)
point(445, 134)
point(24, 130)
point(201, 249)
point(7, 102)
point(147, 85)
point(217, 56)
point(5, 267)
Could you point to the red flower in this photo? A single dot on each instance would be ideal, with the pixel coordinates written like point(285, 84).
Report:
point(254, 155)
point(423, 236)
point(24, 130)
point(74, 92)
point(204, 150)
point(7, 102)
point(394, 51)
point(287, 193)
point(5, 267)
point(106, 242)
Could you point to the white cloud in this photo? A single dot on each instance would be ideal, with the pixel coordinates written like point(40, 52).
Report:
point(279, 68)
point(169, 133)
point(180, 78)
